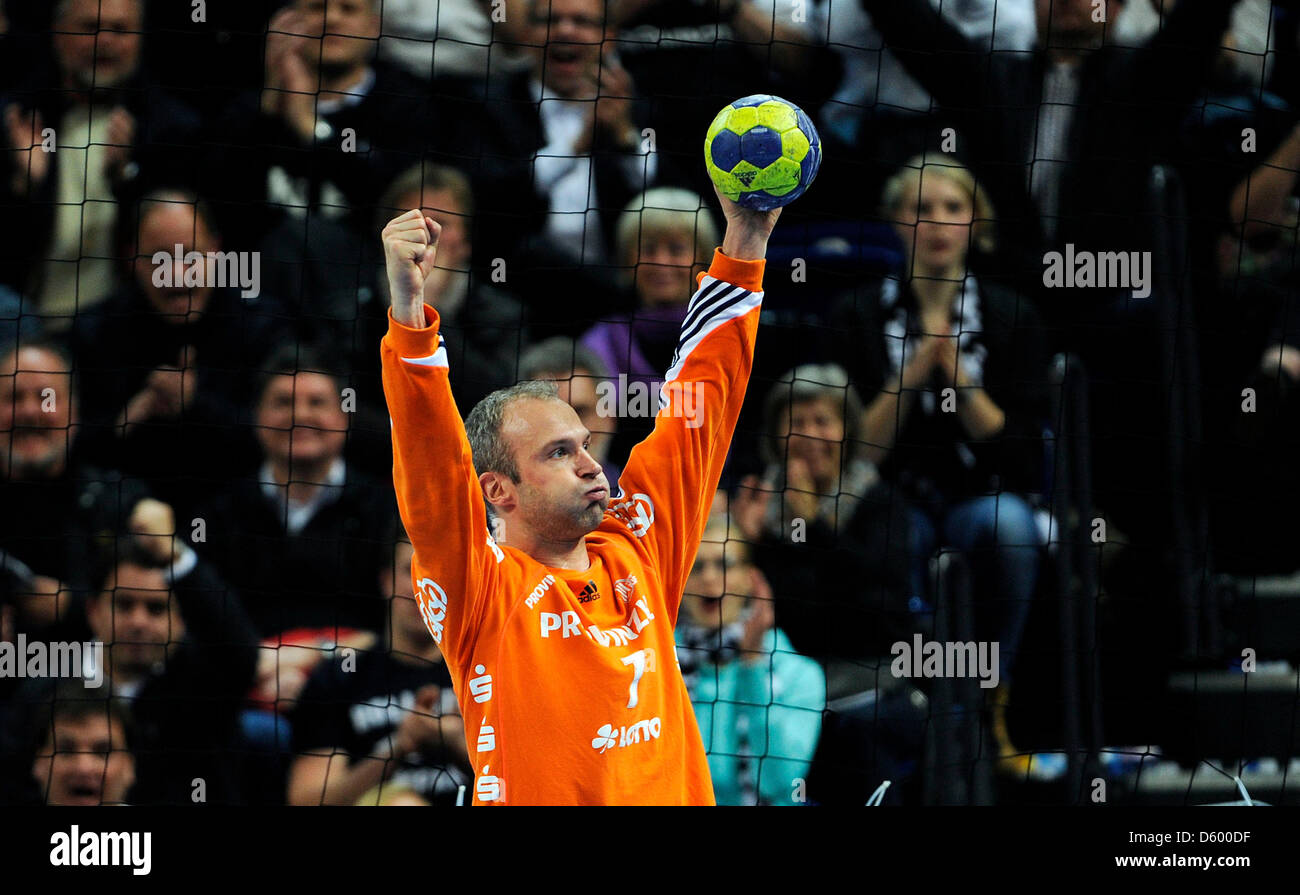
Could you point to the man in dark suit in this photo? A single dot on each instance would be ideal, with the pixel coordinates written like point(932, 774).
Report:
point(1064, 137)
point(87, 134)
point(564, 143)
point(166, 367)
point(330, 127)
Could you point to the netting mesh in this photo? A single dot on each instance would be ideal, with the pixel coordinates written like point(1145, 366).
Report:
point(1008, 513)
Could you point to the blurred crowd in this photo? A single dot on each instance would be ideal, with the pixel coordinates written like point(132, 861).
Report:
point(194, 457)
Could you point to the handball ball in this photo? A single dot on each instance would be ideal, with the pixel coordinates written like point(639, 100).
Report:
point(762, 151)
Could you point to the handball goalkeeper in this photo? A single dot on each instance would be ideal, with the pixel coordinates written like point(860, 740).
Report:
point(558, 633)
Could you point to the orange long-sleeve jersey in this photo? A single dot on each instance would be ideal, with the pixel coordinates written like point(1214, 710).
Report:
point(568, 681)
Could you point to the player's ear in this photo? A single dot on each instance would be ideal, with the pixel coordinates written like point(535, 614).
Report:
point(498, 490)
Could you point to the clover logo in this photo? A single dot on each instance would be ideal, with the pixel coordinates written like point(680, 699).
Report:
point(605, 738)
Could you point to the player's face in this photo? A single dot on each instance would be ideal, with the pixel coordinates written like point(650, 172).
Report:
point(36, 414)
point(579, 392)
point(97, 42)
point(816, 437)
point(164, 226)
point(349, 30)
point(664, 267)
point(718, 585)
point(300, 420)
point(85, 762)
point(934, 221)
point(562, 491)
point(137, 617)
point(570, 34)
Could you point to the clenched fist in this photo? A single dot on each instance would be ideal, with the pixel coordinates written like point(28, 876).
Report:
point(410, 245)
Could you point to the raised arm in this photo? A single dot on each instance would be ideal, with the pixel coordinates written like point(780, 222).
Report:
point(438, 493)
point(670, 478)
point(947, 63)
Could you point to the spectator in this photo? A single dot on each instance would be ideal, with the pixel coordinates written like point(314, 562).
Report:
point(484, 324)
point(1249, 46)
point(878, 114)
point(829, 536)
point(963, 467)
point(391, 721)
point(758, 702)
point(179, 649)
point(1243, 214)
point(665, 237)
point(438, 38)
point(15, 323)
point(56, 505)
point(564, 137)
point(875, 86)
point(722, 50)
point(165, 365)
point(578, 374)
point(83, 753)
point(300, 539)
point(1087, 117)
point(330, 127)
point(113, 133)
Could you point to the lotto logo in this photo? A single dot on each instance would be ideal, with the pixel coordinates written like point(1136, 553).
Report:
point(611, 737)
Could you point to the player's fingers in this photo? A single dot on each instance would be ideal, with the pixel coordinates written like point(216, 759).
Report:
point(408, 251)
point(434, 229)
point(412, 216)
point(410, 231)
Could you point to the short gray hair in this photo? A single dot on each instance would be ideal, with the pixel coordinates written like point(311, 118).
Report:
point(483, 426)
point(559, 357)
point(803, 385)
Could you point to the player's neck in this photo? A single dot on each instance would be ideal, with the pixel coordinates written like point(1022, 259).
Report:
point(555, 554)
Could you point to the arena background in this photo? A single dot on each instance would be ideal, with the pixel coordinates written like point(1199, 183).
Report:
point(1154, 417)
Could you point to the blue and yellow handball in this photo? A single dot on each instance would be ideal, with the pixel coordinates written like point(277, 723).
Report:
point(762, 151)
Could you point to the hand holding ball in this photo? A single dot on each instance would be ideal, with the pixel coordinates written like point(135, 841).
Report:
point(762, 152)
